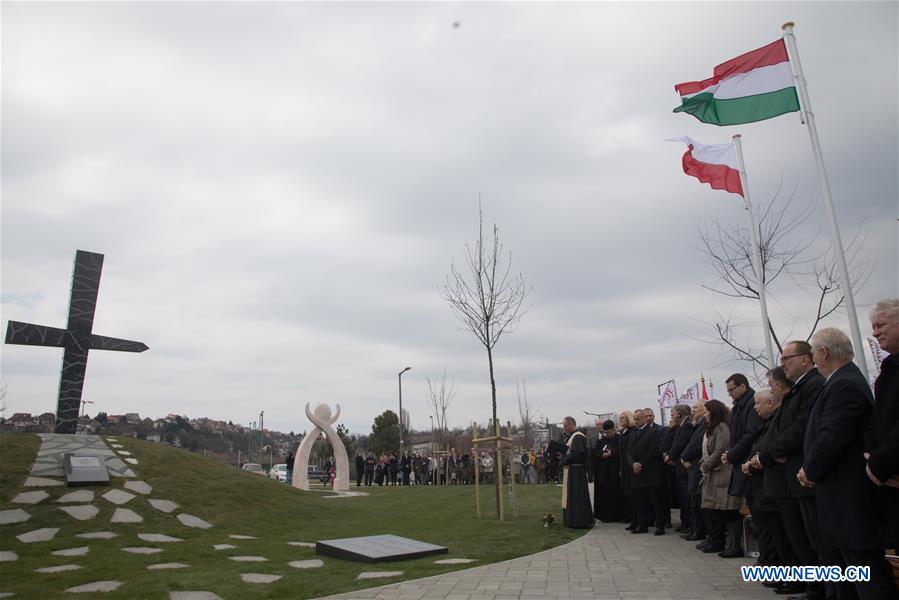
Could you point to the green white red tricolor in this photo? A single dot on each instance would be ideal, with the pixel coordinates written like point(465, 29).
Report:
point(752, 87)
point(714, 164)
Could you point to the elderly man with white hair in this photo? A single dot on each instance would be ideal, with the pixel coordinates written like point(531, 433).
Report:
point(883, 460)
point(835, 466)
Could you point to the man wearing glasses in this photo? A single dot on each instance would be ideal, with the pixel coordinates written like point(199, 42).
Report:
point(783, 458)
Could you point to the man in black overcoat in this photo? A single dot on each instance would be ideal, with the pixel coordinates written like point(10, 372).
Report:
point(883, 458)
point(690, 459)
point(360, 468)
point(781, 458)
point(835, 466)
point(683, 431)
point(666, 472)
point(608, 499)
point(744, 426)
point(646, 478)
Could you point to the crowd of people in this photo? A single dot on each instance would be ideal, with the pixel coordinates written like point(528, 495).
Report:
point(813, 460)
point(452, 468)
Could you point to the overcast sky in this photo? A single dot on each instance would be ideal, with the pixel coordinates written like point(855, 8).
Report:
point(279, 189)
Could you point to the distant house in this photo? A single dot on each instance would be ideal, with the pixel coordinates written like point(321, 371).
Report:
point(22, 421)
point(47, 422)
point(132, 418)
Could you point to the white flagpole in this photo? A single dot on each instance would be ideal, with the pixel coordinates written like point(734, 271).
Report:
point(836, 241)
point(756, 252)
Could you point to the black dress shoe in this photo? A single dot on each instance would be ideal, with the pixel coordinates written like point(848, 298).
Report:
point(641, 530)
point(702, 545)
point(659, 531)
point(695, 536)
point(681, 529)
point(772, 584)
point(732, 553)
point(712, 549)
point(802, 596)
point(630, 527)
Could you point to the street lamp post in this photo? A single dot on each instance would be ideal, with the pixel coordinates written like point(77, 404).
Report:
point(400, 377)
point(79, 426)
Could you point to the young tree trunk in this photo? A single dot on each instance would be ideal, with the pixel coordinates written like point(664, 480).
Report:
point(496, 475)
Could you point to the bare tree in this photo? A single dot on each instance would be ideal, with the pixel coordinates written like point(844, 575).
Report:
point(439, 399)
point(788, 259)
point(525, 413)
point(487, 301)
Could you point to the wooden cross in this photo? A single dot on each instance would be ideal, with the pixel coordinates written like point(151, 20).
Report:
point(77, 339)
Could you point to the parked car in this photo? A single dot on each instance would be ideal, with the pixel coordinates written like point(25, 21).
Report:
point(254, 468)
point(279, 472)
point(314, 473)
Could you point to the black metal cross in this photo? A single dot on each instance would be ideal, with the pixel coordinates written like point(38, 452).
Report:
point(77, 338)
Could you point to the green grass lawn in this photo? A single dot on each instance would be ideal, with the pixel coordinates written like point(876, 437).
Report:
point(240, 503)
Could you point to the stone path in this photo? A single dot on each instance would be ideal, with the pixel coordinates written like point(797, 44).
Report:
point(607, 563)
point(49, 461)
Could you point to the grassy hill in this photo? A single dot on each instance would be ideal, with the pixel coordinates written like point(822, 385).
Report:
point(240, 503)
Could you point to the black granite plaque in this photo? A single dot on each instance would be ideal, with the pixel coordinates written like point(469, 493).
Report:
point(377, 548)
point(85, 469)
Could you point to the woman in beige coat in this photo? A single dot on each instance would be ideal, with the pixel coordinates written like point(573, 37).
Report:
point(720, 507)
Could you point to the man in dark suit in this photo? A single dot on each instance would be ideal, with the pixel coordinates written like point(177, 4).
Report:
point(666, 472)
point(360, 468)
point(646, 481)
point(744, 426)
point(883, 459)
point(835, 466)
point(690, 459)
point(681, 437)
point(781, 458)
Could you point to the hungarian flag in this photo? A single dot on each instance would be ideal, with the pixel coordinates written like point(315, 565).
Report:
point(752, 87)
point(714, 164)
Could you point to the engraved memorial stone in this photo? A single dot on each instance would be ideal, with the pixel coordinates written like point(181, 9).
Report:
point(85, 469)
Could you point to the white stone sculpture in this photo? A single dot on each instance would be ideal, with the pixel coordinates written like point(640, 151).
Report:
point(323, 421)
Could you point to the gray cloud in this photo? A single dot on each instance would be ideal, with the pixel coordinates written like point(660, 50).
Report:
point(280, 189)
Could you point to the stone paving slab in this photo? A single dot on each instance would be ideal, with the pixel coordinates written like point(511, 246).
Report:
point(8, 556)
point(224, 546)
point(97, 535)
point(158, 537)
point(16, 515)
point(42, 482)
point(80, 551)
point(31, 497)
point(607, 563)
point(142, 550)
point(79, 496)
point(58, 569)
point(165, 506)
point(192, 521)
point(38, 535)
point(259, 578)
point(125, 515)
point(140, 487)
point(306, 564)
point(82, 512)
point(159, 566)
point(118, 497)
point(96, 586)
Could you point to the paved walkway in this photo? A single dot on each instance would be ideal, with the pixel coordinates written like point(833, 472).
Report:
point(606, 564)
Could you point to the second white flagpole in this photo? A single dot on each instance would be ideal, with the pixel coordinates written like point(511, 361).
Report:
point(756, 252)
point(836, 241)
